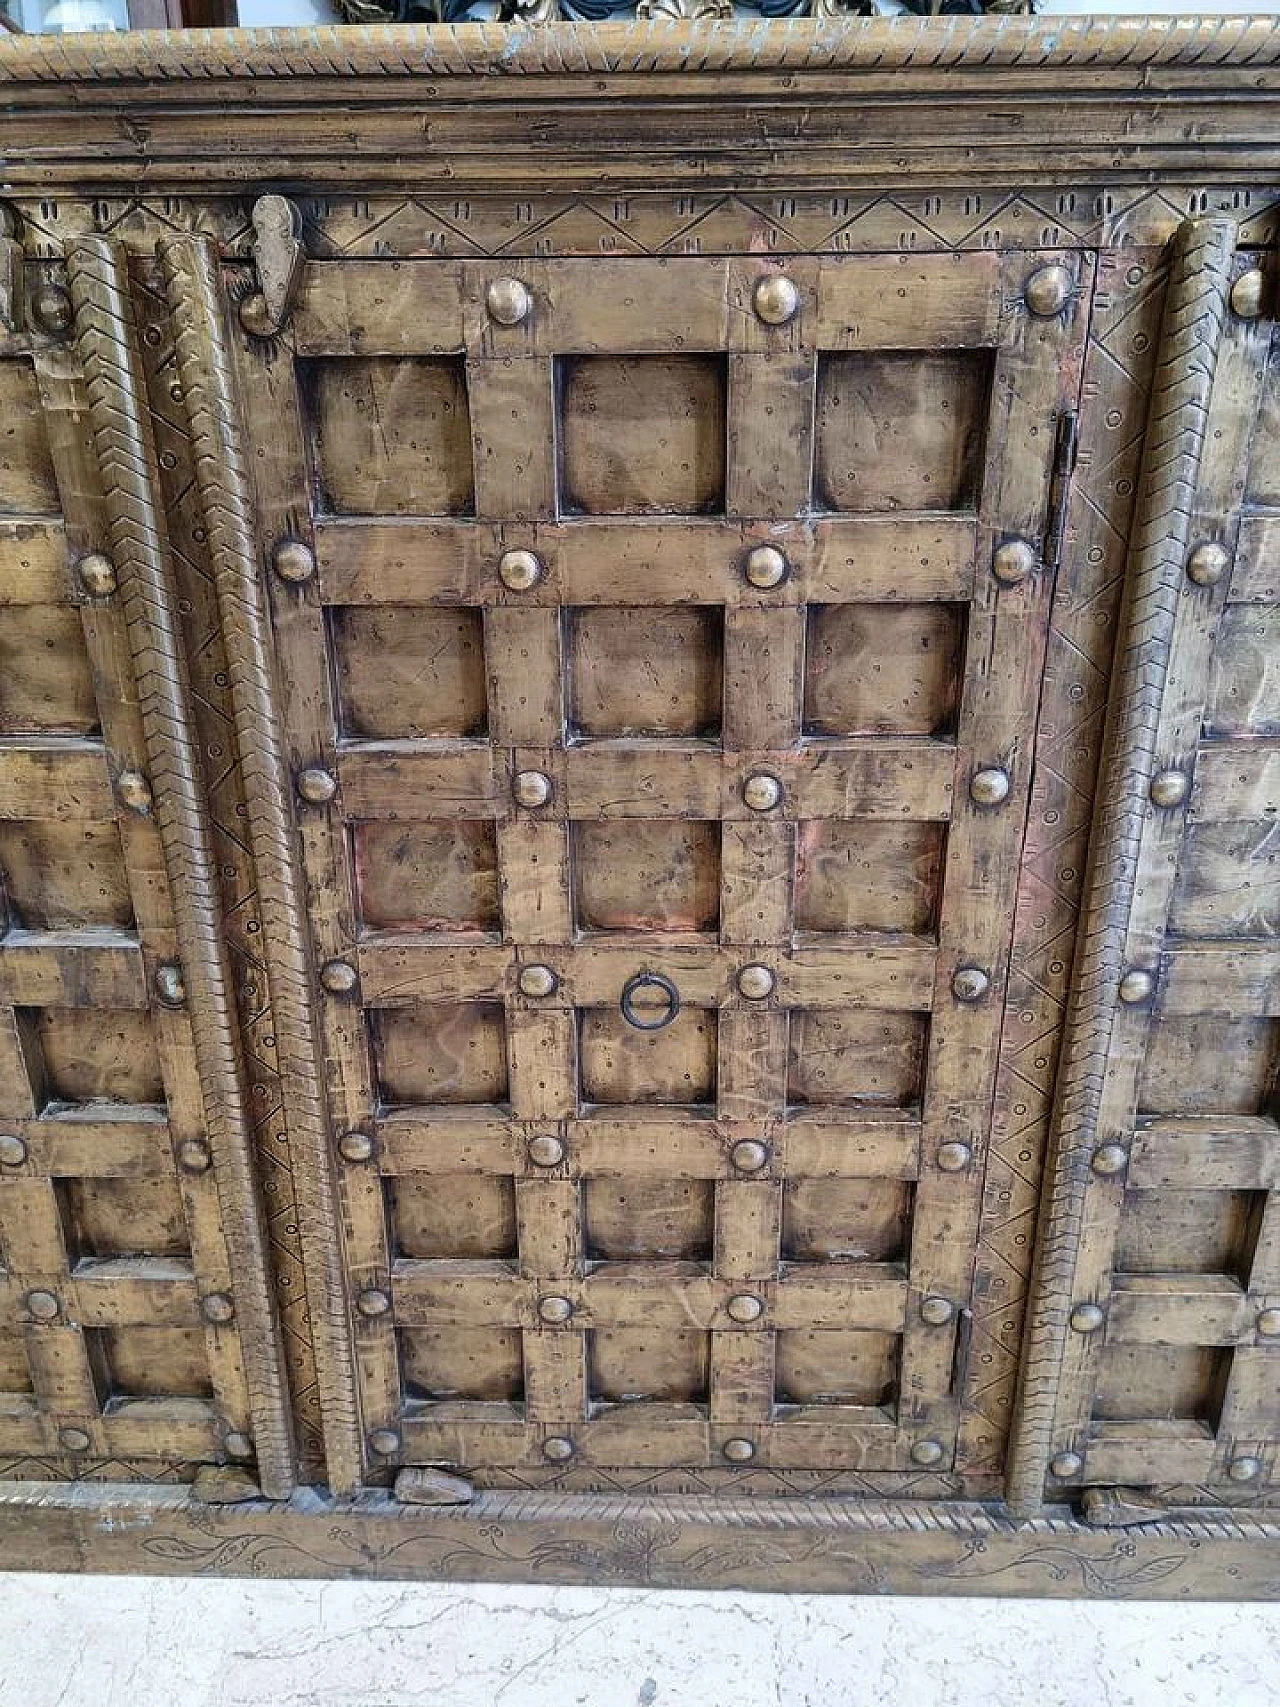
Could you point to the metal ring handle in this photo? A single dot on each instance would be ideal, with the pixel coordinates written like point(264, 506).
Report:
point(649, 981)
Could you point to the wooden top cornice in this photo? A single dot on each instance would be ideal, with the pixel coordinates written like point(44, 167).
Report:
point(802, 103)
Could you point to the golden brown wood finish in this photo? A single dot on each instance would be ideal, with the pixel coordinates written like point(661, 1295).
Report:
point(629, 556)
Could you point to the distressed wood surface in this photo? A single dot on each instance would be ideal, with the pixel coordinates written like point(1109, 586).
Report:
point(763, 1268)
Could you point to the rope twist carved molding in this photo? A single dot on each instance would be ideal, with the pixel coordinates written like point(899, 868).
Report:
point(1195, 308)
point(105, 344)
point(820, 44)
point(191, 277)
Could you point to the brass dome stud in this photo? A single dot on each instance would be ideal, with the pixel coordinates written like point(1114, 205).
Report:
point(42, 1306)
point(761, 792)
point(218, 1308)
point(756, 982)
point(1109, 1159)
point(339, 977)
point(385, 1442)
point(970, 984)
point(508, 301)
point(1048, 291)
point(1268, 1323)
point(1247, 294)
point(96, 573)
point(194, 1156)
point(520, 570)
point(557, 1448)
point(1244, 1469)
point(954, 1157)
point(133, 791)
point(765, 567)
point(13, 1150)
point(355, 1146)
point(531, 789)
point(255, 316)
point(316, 785)
point(1087, 1318)
point(927, 1452)
point(554, 1309)
point(74, 1439)
point(1013, 562)
point(749, 1155)
point(1065, 1465)
point(745, 1307)
point(775, 299)
point(169, 984)
point(738, 1451)
point(989, 787)
point(373, 1301)
point(237, 1444)
point(1136, 986)
point(1208, 563)
point(936, 1311)
point(1169, 788)
point(537, 981)
point(545, 1150)
point(293, 561)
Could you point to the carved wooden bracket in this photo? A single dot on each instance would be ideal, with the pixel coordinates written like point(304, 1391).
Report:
point(278, 255)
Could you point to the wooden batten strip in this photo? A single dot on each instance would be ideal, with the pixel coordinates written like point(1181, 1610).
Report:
point(191, 275)
point(105, 341)
point(33, 560)
point(65, 778)
point(1194, 314)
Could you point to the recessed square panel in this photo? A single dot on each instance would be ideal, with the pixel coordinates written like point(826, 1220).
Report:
point(15, 1371)
point(846, 1220)
point(391, 435)
point(1244, 673)
point(626, 1220)
point(646, 672)
point(835, 1366)
point(423, 875)
point(98, 1054)
point(1189, 1232)
point(1228, 881)
point(46, 685)
point(27, 485)
point(862, 875)
point(642, 434)
point(137, 1362)
point(623, 1064)
point(853, 1056)
point(61, 874)
point(404, 671)
point(901, 431)
point(456, 1362)
point(883, 669)
point(452, 1215)
point(117, 1217)
point(1161, 1383)
point(441, 1052)
point(646, 875)
point(1208, 1065)
point(662, 1364)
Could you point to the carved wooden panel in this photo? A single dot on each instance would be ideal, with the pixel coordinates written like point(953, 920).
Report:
point(654, 636)
point(134, 1322)
point(1158, 1261)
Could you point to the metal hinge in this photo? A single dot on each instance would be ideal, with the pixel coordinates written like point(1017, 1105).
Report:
point(1128, 1508)
point(1066, 446)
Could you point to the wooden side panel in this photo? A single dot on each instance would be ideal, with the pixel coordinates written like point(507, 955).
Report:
point(1143, 1364)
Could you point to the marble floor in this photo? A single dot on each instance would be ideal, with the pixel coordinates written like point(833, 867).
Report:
point(122, 1642)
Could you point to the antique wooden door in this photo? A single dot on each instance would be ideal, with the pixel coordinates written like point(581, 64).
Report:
point(659, 647)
